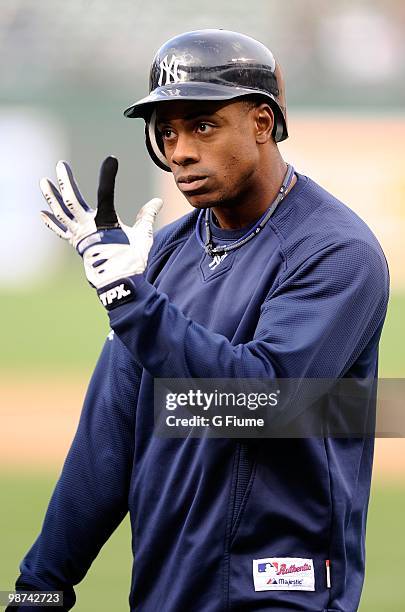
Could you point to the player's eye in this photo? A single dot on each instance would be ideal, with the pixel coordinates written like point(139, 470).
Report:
point(204, 127)
point(167, 134)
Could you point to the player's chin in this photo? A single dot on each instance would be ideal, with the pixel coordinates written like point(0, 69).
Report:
point(202, 198)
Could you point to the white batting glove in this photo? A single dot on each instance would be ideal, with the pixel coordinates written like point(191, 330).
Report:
point(111, 250)
point(71, 218)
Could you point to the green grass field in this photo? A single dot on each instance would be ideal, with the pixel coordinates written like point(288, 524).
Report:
point(61, 327)
point(57, 325)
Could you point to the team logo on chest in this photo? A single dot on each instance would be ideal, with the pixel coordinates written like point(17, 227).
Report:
point(169, 70)
point(216, 261)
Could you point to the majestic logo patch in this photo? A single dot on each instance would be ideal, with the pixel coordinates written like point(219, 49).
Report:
point(217, 260)
point(283, 574)
point(170, 70)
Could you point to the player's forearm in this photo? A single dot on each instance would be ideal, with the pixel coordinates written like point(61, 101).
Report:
point(169, 345)
point(313, 325)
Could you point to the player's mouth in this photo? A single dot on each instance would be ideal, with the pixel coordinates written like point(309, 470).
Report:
point(192, 182)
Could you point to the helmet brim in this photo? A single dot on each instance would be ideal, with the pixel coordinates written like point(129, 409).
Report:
point(189, 91)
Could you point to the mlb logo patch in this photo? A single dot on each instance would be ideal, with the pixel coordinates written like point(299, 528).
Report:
point(283, 574)
point(264, 567)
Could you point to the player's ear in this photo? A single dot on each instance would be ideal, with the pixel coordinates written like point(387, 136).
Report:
point(264, 122)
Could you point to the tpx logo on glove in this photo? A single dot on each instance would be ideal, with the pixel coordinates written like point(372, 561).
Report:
point(115, 296)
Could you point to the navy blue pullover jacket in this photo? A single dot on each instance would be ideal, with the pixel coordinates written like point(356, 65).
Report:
point(305, 298)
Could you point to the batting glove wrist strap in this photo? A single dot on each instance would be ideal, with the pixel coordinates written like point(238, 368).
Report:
point(120, 292)
point(113, 236)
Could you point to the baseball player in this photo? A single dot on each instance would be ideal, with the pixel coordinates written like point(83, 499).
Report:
point(268, 276)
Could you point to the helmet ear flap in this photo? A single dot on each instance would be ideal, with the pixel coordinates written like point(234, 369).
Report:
point(152, 143)
point(280, 131)
point(281, 107)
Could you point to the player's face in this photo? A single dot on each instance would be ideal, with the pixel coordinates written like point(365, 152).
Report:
point(211, 149)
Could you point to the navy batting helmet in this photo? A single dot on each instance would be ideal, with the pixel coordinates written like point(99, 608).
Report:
point(210, 65)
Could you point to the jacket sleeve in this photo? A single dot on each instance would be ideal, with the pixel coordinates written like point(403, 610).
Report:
point(314, 325)
point(90, 497)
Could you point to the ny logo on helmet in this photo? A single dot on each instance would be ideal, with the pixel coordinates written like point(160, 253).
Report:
point(170, 70)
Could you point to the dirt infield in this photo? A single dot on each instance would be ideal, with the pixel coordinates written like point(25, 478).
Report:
point(38, 420)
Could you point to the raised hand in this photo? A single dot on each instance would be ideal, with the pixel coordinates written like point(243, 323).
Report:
point(110, 249)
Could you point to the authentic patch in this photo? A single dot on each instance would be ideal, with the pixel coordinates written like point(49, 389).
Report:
point(283, 574)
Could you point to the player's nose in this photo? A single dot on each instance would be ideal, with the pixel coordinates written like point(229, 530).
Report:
point(185, 151)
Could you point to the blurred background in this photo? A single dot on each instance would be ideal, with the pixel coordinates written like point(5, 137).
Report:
point(68, 69)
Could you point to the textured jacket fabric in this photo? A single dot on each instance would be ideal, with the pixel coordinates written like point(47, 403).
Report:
point(306, 298)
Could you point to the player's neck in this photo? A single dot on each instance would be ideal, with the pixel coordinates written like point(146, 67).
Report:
point(258, 197)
